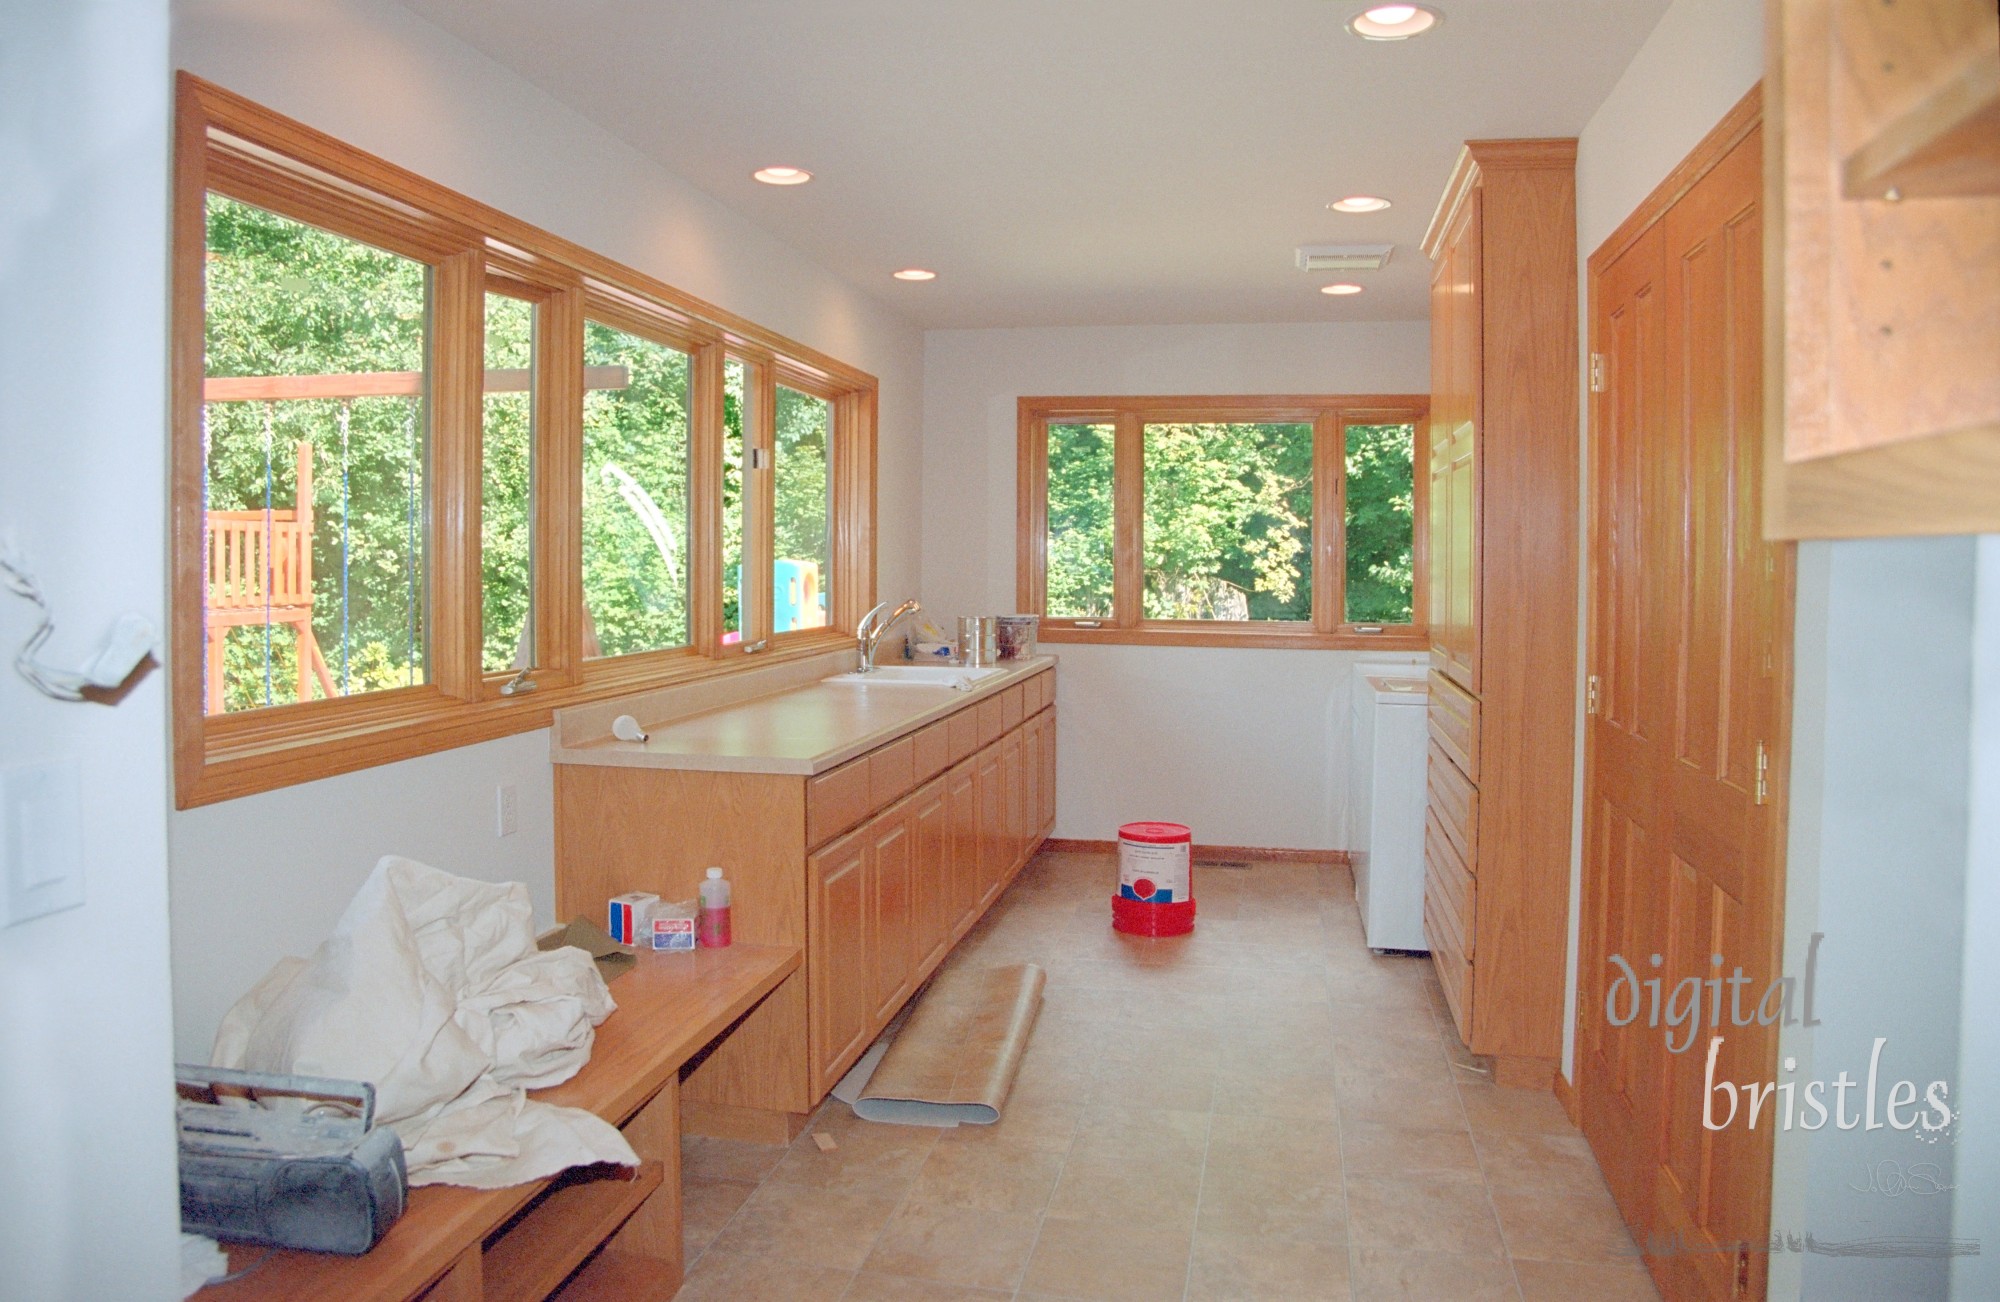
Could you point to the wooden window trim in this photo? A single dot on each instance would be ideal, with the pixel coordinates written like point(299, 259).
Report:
point(1329, 415)
point(229, 145)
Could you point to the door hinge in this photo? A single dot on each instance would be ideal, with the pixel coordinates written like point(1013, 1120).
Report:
point(1597, 373)
point(1743, 1272)
point(1763, 774)
point(1590, 695)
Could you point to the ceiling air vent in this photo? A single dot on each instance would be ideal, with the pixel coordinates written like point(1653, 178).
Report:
point(1344, 257)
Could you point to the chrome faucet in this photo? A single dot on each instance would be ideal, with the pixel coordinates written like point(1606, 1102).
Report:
point(872, 626)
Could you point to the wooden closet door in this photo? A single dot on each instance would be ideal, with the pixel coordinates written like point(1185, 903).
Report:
point(1690, 650)
point(1712, 1187)
point(1624, 832)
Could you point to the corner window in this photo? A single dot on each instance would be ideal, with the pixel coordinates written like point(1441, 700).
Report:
point(1220, 521)
point(437, 472)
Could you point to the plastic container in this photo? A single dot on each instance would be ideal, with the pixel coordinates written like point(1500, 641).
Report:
point(1155, 880)
point(712, 928)
point(1016, 635)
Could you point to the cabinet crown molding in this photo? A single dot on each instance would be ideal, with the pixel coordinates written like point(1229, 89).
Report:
point(1479, 156)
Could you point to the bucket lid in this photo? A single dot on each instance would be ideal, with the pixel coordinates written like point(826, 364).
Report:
point(1155, 833)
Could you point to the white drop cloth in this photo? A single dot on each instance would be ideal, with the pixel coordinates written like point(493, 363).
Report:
point(431, 989)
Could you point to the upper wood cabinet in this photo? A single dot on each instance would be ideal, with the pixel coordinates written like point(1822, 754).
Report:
point(1502, 557)
point(1882, 268)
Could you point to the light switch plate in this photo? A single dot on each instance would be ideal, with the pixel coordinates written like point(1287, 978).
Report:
point(41, 840)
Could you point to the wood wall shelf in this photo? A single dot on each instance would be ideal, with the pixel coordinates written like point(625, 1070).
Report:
point(1882, 346)
point(1945, 145)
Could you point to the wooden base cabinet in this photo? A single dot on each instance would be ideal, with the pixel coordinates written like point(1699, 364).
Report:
point(1501, 558)
point(876, 867)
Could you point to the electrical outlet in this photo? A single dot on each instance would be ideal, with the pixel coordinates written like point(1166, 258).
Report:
point(510, 810)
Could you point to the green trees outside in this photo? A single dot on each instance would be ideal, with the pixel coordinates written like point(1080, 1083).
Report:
point(285, 298)
point(1381, 523)
point(288, 299)
point(1228, 521)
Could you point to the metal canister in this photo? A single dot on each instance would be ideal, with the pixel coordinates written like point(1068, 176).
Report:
point(978, 640)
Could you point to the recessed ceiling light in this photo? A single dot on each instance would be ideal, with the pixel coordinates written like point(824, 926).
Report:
point(1393, 22)
point(1344, 287)
point(915, 273)
point(782, 175)
point(1359, 203)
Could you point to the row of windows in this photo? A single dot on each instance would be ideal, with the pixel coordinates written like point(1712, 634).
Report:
point(1232, 521)
point(432, 461)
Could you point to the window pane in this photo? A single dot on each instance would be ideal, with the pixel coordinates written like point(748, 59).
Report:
point(1381, 523)
point(735, 397)
point(1080, 505)
point(635, 494)
point(506, 518)
point(315, 434)
point(802, 530)
point(1229, 522)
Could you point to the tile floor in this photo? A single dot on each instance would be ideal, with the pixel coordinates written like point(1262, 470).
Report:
point(1263, 1110)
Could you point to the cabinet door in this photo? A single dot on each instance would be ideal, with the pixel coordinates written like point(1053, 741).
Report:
point(891, 912)
point(962, 854)
point(930, 876)
point(992, 833)
point(1013, 792)
point(1456, 334)
point(837, 944)
point(1045, 818)
point(1031, 783)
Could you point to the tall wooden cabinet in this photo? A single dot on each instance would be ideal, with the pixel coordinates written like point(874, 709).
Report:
point(1502, 558)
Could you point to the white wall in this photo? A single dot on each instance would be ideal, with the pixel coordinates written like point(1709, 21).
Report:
point(1246, 747)
point(1884, 697)
point(264, 876)
point(259, 878)
point(1976, 1204)
point(88, 1193)
point(1702, 58)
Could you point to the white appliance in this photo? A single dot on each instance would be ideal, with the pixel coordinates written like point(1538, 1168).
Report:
point(1385, 804)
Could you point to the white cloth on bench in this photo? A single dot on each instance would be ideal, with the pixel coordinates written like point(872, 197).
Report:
point(431, 989)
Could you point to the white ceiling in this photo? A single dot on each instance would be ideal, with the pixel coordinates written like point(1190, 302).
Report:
point(1070, 162)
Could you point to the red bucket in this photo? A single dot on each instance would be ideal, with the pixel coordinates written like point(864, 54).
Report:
point(1155, 880)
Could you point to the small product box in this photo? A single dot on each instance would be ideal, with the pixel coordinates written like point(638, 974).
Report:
point(628, 915)
point(673, 933)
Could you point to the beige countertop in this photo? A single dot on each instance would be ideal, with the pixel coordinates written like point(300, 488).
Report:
point(806, 729)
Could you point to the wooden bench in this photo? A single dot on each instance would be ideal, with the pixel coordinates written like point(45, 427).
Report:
point(525, 1242)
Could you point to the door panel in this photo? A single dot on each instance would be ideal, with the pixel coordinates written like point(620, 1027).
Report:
point(961, 795)
point(891, 953)
point(837, 955)
point(1623, 837)
point(930, 874)
point(1715, 1185)
point(1690, 643)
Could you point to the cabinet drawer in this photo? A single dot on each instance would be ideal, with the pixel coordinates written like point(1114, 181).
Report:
point(962, 729)
point(933, 747)
point(1048, 681)
point(1455, 802)
point(892, 770)
point(1454, 972)
point(1454, 722)
point(836, 800)
point(1450, 887)
point(1013, 706)
point(992, 720)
